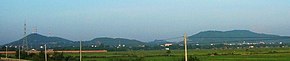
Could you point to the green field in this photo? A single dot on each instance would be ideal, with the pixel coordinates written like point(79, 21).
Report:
point(258, 54)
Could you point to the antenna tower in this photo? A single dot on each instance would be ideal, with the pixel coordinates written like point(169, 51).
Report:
point(25, 41)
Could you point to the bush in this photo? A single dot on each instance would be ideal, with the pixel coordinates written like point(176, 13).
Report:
point(2, 55)
point(213, 54)
point(272, 52)
point(129, 59)
point(53, 57)
point(23, 54)
point(191, 58)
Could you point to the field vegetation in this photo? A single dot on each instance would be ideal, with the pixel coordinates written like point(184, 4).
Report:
point(257, 54)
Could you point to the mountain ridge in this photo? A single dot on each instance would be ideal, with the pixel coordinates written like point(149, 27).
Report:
point(230, 36)
point(35, 40)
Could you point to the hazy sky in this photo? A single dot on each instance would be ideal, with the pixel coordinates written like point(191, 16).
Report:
point(143, 20)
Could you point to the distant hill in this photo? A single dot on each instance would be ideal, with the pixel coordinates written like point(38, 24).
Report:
point(115, 42)
point(36, 40)
point(233, 36)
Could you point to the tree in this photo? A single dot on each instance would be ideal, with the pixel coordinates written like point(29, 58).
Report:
point(57, 56)
point(39, 56)
point(191, 58)
point(23, 54)
point(168, 52)
point(2, 55)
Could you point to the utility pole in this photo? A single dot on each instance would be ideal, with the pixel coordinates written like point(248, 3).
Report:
point(19, 53)
point(80, 50)
point(185, 47)
point(45, 52)
point(6, 52)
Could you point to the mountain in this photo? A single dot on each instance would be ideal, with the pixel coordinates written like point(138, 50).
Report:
point(233, 36)
point(157, 42)
point(115, 42)
point(36, 40)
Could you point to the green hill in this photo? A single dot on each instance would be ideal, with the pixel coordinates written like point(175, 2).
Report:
point(234, 36)
point(36, 40)
point(115, 42)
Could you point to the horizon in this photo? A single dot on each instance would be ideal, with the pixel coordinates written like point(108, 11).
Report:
point(140, 20)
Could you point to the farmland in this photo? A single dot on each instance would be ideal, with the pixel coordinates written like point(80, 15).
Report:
point(257, 54)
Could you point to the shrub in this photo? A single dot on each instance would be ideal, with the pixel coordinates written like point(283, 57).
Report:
point(191, 58)
point(128, 59)
point(2, 55)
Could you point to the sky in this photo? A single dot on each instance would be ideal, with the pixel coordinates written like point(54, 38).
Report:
point(144, 20)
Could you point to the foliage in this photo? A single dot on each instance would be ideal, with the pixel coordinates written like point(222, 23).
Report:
point(54, 57)
point(257, 54)
point(129, 59)
point(23, 54)
point(50, 57)
point(190, 58)
point(168, 52)
point(2, 55)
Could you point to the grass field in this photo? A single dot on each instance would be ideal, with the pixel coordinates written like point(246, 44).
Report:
point(258, 54)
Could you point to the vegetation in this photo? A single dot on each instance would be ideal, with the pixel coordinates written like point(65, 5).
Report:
point(191, 58)
point(41, 56)
point(255, 54)
point(23, 55)
point(2, 55)
point(258, 54)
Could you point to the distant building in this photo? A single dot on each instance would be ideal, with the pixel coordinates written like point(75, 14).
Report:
point(251, 46)
point(167, 44)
